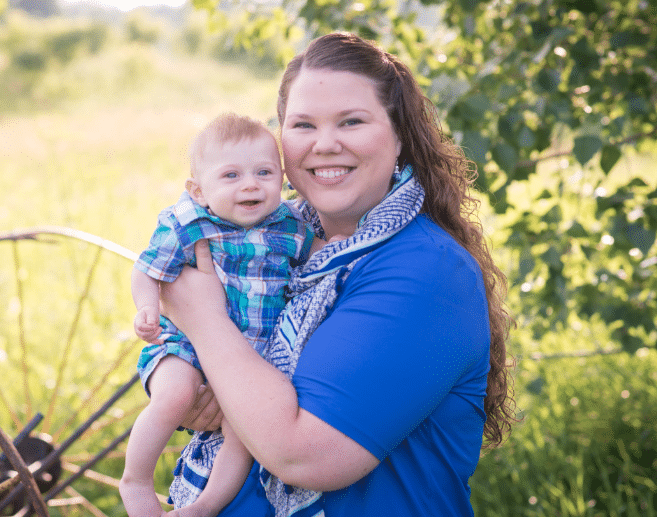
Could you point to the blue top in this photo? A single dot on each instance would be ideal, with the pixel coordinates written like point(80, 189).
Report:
point(409, 331)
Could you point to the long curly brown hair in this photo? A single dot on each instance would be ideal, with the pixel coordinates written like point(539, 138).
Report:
point(446, 175)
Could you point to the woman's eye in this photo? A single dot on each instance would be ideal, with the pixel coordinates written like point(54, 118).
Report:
point(352, 122)
point(302, 125)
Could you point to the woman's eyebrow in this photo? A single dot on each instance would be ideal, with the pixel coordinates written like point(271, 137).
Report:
point(342, 113)
point(351, 111)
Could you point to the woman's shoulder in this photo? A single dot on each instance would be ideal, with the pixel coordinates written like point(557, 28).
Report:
point(424, 237)
point(426, 251)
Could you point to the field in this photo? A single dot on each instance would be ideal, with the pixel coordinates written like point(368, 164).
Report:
point(99, 144)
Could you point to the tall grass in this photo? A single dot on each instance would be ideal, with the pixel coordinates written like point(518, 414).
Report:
point(98, 143)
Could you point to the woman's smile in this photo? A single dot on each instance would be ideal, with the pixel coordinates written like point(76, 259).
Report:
point(331, 172)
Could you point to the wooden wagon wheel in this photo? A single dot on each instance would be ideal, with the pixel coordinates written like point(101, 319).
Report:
point(67, 364)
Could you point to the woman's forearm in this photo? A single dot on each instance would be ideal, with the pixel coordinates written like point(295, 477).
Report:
point(262, 407)
point(257, 399)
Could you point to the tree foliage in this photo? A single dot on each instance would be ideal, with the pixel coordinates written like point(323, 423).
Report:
point(552, 92)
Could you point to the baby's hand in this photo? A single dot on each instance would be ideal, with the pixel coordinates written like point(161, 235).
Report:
point(147, 325)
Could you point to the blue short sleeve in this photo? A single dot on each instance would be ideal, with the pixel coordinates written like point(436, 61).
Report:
point(409, 327)
point(164, 257)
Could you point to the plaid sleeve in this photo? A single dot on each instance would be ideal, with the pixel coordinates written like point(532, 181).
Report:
point(164, 257)
point(309, 236)
point(302, 231)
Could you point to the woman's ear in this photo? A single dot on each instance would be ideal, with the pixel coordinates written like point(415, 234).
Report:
point(195, 191)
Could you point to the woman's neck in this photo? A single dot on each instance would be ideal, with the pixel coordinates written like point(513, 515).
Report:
point(337, 228)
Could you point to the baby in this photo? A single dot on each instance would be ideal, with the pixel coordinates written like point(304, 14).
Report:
point(233, 199)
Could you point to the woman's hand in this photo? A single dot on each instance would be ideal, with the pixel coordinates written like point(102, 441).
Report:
point(196, 296)
point(205, 415)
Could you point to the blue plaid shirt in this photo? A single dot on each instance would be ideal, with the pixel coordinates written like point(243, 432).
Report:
point(253, 264)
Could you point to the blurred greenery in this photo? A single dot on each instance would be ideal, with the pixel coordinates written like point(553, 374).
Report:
point(95, 119)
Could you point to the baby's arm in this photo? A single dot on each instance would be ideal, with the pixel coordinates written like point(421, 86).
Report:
point(229, 471)
point(146, 295)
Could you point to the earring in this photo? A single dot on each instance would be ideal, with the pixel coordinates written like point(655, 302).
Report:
point(289, 186)
point(396, 176)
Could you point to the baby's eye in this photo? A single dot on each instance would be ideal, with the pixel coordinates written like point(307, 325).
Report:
point(264, 172)
point(230, 175)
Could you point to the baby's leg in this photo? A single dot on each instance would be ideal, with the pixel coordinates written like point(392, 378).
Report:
point(173, 386)
point(229, 471)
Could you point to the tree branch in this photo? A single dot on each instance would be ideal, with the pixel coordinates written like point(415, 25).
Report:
point(628, 140)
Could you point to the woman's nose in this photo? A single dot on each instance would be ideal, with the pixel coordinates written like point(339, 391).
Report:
point(327, 142)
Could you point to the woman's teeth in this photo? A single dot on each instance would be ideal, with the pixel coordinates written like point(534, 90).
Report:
point(331, 173)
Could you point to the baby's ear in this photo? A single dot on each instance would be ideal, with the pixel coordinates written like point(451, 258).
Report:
point(195, 191)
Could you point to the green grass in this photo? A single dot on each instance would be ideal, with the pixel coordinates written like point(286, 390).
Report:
point(100, 146)
point(116, 155)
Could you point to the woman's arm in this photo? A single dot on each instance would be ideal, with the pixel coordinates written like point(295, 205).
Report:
point(258, 400)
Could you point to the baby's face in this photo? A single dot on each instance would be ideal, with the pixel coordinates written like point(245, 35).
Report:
point(241, 181)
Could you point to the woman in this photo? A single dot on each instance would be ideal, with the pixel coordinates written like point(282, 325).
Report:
point(390, 360)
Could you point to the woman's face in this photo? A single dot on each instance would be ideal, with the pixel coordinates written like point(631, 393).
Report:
point(339, 146)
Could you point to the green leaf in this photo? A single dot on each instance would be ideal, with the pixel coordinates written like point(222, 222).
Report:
point(640, 237)
point(548, 80)
point(469, 5)
point(584, 6)
point(584, 55)
point(616, 200)
point(586, 147)
point(526, 266)
point(637, 105)
point(449, 90)
point(498, 200)
point(631, 343)
point(526, 138)
point(628, 38)
point(560, 108)
point(475, 146)
point(506, 157)
point(474, 108)
point(540, 30)
point(536, 386)
point(545, 194)
point(552, 257)
point(576, 230)
point(543, 133)
point(554, 215)
point(506, 125)
point(636, 182)
point(522, 173)
point(610, 155)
